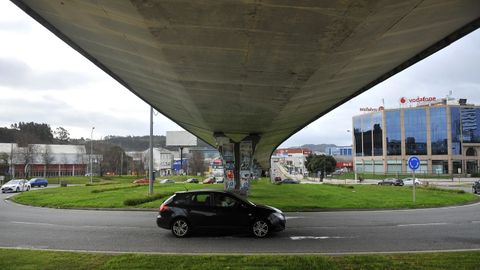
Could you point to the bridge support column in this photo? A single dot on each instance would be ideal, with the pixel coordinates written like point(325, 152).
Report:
point(238, 161)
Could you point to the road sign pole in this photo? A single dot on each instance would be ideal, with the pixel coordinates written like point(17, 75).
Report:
point(414, 187)
point(413, 164)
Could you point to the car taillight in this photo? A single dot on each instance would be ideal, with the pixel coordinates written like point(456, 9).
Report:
point(163, 208)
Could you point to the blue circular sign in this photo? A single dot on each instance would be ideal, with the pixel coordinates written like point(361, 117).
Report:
point(414, 163)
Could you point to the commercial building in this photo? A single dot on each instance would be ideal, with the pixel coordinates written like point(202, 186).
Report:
point(292, 159)
point(44, 160)
point(444, 134)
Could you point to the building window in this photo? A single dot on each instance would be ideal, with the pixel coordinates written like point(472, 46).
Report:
point(394, 133)
point(470, 125)
point(457, 166)
point(377, 134)
point(367, 134)
point(357, 134)
point(438, 130)
point(439, 166)
point(456, 132)
point(415, 132)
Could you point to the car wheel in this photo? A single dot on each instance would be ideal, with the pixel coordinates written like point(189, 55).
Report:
point(180, 228)
point(260, 228)
point(28, 188)
point(17, 190)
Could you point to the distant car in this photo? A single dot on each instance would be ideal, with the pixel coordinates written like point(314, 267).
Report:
point(16, 185)
point(209, 180)
point(216, 210)
point(38, 182)
point(192, 180)
point(290, 181)
point(476, 187)
point(141, 181)
point(219, 180)
point(167, 181)
point(391, 182)
point(409, 181)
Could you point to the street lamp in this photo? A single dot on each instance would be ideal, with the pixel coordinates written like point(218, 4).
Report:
point(91, 153)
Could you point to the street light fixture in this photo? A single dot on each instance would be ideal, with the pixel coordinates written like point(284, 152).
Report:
point(91, 153)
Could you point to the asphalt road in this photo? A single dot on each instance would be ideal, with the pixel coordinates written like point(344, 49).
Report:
point(450, 228)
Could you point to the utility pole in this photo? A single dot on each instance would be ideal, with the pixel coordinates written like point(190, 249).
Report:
point(91, 153)
point(150, 153)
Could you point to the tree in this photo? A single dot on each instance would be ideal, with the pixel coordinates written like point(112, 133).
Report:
point(32, 133)
point(197, 163)
point(47, 159)
point(320, 163)
point(62, 136)
point(26, 156)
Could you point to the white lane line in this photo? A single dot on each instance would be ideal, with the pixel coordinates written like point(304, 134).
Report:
point(475, 221)
point(422, 224)
point(287, 218)
point(76, 226)
point(316, 237)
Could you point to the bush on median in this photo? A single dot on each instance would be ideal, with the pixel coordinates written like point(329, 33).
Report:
point(138, 201)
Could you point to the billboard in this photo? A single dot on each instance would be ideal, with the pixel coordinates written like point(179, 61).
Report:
point(180, 138)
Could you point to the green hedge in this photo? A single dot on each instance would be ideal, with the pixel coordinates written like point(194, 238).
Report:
point(137, 201)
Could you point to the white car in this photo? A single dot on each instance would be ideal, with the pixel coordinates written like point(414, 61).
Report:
point(409, 181)
point(166, 181)
point(16, 185)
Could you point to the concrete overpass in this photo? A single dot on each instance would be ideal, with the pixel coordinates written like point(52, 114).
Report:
point(252, 67)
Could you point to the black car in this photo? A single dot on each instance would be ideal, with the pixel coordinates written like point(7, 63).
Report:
point(476, 187)
point(217, 210)
point(391, 182)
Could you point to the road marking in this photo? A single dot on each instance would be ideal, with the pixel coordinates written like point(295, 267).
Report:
point(316, 237)
point(475, 221)
point(287, 218)
point(422, 224)
point(76, 226)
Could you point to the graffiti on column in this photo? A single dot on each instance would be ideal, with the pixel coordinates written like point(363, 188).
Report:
point(246, 150)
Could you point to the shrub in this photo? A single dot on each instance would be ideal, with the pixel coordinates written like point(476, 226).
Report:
point(137, 201)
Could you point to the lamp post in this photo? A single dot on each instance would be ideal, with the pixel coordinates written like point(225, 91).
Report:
point(91, 153)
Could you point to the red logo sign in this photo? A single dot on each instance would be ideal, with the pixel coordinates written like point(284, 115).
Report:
point(403, 100)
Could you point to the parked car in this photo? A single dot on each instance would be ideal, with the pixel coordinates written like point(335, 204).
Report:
point(219, 180)
point(209, 180)
point(476, 187)
point(409, 181)
point(192, 180)
point(16, 185)
point(38, 182)
point(290, 181)
point(189, 211)
point(167, 181)
point(141, 181)
point(391, 182)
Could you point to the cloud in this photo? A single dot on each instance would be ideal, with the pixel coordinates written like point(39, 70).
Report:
point(15, 73)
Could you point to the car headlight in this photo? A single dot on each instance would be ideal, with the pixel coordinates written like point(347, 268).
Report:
point(278, 216)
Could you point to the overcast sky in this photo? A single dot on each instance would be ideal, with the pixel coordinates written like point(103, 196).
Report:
point(45, 81)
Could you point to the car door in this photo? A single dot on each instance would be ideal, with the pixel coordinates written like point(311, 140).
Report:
point(201, 213)
point(231, 212)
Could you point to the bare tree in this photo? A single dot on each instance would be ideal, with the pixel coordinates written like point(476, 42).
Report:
point(47, 159)
point(26, 156)
point(197, 163)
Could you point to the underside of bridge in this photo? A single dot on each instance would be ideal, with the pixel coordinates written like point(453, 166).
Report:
point(251, 67)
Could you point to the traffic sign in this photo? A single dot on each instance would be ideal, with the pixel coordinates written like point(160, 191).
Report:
point(413, 163)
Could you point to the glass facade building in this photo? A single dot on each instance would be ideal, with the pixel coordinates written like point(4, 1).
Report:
point(446, 138)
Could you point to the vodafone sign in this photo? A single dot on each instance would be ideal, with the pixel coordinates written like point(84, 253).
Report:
point(404, 100)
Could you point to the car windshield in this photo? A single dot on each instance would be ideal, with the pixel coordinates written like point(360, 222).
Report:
point(14, 182)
